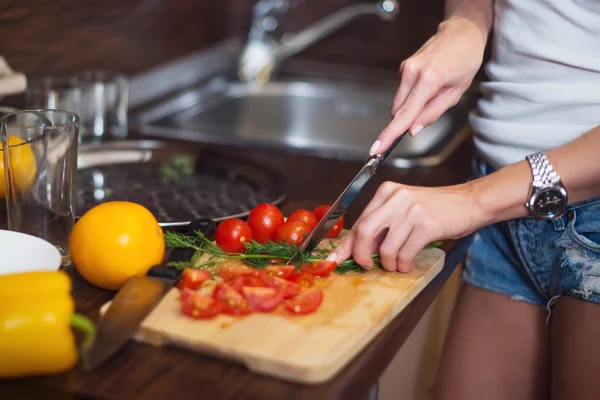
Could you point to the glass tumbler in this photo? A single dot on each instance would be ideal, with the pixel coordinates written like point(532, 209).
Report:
point(54, 93)
point(104, 105)
point(40, 163)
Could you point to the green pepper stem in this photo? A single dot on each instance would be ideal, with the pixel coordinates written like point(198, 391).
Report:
point(85, 325)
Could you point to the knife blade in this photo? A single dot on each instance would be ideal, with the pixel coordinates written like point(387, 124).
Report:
point(344, 200)
point(136, 299)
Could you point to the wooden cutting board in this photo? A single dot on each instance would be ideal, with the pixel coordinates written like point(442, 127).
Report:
point(309, 349)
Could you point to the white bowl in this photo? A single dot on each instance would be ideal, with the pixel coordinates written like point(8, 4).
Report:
point(20, 252)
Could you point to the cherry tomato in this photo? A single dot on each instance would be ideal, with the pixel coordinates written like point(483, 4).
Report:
point(193, 278)
point(239, 282)
point(198, 306)
point(305, 280)
point(262, 298)
point(282, 271)
point(306, 302)
point(289, 289)
point(305, 216)
point(337, 228)
point(264, 220)
point(276, 261)
point(232, 302)
point(230, 273)
point(319, 268)
point(232, 234)
point(293, 233)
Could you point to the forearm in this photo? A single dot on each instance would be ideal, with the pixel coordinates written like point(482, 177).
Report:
point(479, 12)
point(502, 195)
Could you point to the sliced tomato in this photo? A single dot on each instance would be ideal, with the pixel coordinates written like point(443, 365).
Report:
point(304, 279)
point(246, 280)
point(232, 302)
point(319, 268)
point(193, 278)
point(262, 298)
point(282, 271)
point(288, 288)
point(230, 273)
point(198, 306)
point(306, 302)
point(305, 216)
point(337, 228)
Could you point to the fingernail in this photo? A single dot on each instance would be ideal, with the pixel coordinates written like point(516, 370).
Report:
point(375, 147)
point(416, 130)
point(332, 257)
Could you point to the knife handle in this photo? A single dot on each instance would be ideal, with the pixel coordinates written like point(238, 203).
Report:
point(381, 157)
point(207, 226)
point(164, 272)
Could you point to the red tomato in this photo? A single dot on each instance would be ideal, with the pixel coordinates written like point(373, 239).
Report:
point(282, 271)
point(337, 228)
point(198, 306)
point(232, 234)
point(232, 302)
point(319, 268)
point(306, 302)
point(262, 298)
point(276, 261)
point(229, 273)
point(303, 279)
point(293, 233)
point(289, 289)
point(264, 220)
point(305, 216)
point(247, 280)
point(193, 278)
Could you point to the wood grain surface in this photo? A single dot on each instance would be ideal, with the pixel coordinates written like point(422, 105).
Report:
point(307, 349)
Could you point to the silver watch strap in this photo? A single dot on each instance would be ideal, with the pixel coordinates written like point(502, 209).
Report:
point(543, 173)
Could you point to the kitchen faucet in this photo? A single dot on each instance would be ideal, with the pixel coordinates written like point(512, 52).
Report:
point(265, 49)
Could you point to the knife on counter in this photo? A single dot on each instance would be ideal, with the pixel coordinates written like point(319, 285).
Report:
point(136, 299)
point(339, 207)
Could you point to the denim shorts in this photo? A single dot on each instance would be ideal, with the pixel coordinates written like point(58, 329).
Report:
point(538, 261)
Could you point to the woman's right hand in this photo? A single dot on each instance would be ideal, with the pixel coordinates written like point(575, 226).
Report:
point(434, 78)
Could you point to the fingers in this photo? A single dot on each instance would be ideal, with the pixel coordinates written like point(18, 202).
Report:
point(388, 251)
point(409, 73)
point(426, 87)
point(343, 251)
point(415, 242)
point(446, 98)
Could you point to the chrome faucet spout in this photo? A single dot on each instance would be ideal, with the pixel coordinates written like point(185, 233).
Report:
point(267, 48)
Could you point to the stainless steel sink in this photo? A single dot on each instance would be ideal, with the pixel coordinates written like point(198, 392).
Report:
point(326, 118)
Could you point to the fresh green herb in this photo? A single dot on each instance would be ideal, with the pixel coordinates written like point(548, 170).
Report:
point(257, 255)
point(177, 168)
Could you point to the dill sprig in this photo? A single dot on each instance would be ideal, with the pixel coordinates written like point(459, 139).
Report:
point(256, 255)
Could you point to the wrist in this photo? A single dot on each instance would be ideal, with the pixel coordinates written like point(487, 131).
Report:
point(502, 195)
point(474, 27)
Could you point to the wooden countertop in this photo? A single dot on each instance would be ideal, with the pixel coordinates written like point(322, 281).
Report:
point(143, 372)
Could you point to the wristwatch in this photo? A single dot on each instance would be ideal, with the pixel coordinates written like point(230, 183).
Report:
point(548, 196)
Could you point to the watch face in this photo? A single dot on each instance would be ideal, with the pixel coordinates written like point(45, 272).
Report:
point(550, 202)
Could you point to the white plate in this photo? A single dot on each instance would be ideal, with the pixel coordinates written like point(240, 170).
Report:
point(20, 252)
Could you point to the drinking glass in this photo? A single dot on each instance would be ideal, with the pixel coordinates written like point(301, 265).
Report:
point(40, 163)
point(104, 105)
point(54, 93)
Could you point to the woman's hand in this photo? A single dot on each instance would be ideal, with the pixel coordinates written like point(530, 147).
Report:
point(401, 220)
point(434, 78)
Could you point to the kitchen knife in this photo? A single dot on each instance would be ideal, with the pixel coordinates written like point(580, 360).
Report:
point(339, 207)
point(136, 299)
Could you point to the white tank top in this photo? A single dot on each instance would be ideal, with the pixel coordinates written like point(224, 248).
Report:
point(544, 88)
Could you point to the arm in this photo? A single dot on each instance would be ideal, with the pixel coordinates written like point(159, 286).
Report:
point(400, 220)
point(435, 77)
point(502, 195)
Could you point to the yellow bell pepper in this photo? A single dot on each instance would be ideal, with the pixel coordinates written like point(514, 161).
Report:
point(36, 316)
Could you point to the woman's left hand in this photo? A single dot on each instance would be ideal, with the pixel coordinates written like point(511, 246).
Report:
point(401, 220)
